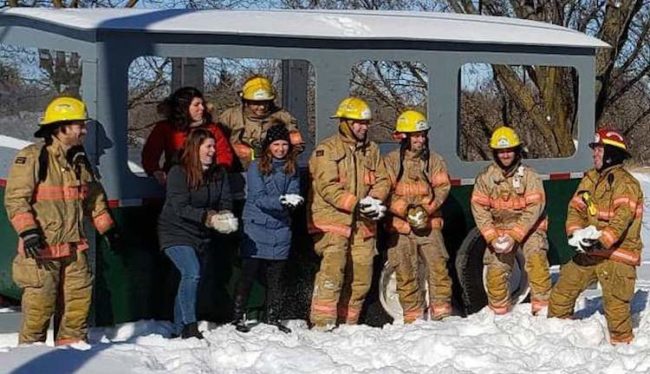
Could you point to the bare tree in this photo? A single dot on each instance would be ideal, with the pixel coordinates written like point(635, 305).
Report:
point(620, 70)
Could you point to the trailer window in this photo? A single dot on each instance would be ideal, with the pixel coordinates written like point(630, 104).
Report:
point(29, 79)
point(539, 102)
point(152, 79)
point(390, 87)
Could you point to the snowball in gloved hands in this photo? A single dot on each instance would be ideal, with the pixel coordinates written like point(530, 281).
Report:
point(291, 201)
point(372, 208)
point(503, 244)
point(585, 239)
point(224, 222)
point(417, 217)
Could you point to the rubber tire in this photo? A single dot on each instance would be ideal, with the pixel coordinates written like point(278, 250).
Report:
point(388, 296)
point(469, 268)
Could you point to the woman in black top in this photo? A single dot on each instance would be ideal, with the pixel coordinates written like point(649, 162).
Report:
point(198, 201)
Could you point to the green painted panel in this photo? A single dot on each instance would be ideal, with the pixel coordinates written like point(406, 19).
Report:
point(8, 241)
point(558, 195)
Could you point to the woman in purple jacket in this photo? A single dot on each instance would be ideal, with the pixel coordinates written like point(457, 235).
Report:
point(272, 194)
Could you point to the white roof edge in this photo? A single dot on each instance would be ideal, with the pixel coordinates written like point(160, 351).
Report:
point(320, 24)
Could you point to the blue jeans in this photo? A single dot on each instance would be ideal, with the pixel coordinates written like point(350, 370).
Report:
point(184, 257)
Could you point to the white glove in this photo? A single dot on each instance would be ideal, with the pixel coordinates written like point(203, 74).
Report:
point(224, 222)
point(372, 208)
point(503, 244)
point(583, 239)
point(291, 200)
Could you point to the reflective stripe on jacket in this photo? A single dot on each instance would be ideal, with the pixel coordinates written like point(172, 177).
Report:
point(612, 201)
point(510, 204)
point(416, 186)
point(342, 173)
point(247, 132)
point(58, 204)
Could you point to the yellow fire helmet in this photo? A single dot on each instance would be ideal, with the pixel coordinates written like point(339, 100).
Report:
point(258, 88)
point(62, 109)
point(353, 108)
point(503, 138)
point(411, 121)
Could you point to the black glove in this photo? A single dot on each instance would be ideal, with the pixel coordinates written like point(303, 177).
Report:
point(33, 243)
point(78, 159)
point(591, 244)
point(257, 148)
point(76, 155)
point(114, 239)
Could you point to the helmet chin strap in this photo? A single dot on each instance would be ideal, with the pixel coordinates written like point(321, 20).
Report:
point(513, 166)
point(346, 129)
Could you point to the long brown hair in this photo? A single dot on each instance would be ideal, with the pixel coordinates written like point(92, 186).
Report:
point(266, 161)
point(177, 105)
point(190, 158)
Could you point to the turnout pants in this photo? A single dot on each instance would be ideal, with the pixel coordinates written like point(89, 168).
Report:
point(344, 278)
point(617, 281)
point(499, 268)
point(404, 255)
point(62, 286)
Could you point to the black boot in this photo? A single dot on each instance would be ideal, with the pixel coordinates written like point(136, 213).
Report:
point(278, 323)
point(239, 315)
point(191, 330)
point(273, 316)
point(275, 295)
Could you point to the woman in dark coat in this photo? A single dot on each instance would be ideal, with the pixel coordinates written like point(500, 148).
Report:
point(198, 201)
point(272, 193)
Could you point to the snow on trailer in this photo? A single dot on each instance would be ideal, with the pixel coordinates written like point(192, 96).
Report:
point(321, 24)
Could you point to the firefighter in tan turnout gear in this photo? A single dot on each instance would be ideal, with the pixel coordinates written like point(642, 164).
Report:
point(248, 122)
point(604, 223)
point(50, 188)
point(420, 185)
point(508, 206)
point(349, 184)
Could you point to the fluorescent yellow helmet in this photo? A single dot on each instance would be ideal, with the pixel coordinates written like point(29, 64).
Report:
point(411, 121)
point(62, 109)
point(258, 89)
point(353, 108)
point(503, 138)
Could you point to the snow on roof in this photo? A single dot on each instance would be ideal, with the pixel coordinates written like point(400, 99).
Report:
point(382, 25)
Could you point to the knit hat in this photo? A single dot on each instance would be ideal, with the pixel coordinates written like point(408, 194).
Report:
point(276, 132)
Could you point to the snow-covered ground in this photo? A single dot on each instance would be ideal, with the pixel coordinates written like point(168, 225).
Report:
point(481, 343)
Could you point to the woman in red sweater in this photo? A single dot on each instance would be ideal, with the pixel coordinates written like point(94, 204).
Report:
point(185, 111)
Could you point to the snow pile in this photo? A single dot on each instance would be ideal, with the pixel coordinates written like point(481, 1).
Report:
point(481, 343)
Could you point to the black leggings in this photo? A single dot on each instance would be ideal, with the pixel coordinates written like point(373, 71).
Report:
point(269, 273)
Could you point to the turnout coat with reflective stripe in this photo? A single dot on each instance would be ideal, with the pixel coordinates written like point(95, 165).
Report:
point(247, 132)
point(417, 186)
point(510, 204)
point(616, 201)
point(342, 173)
point(56, 205)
